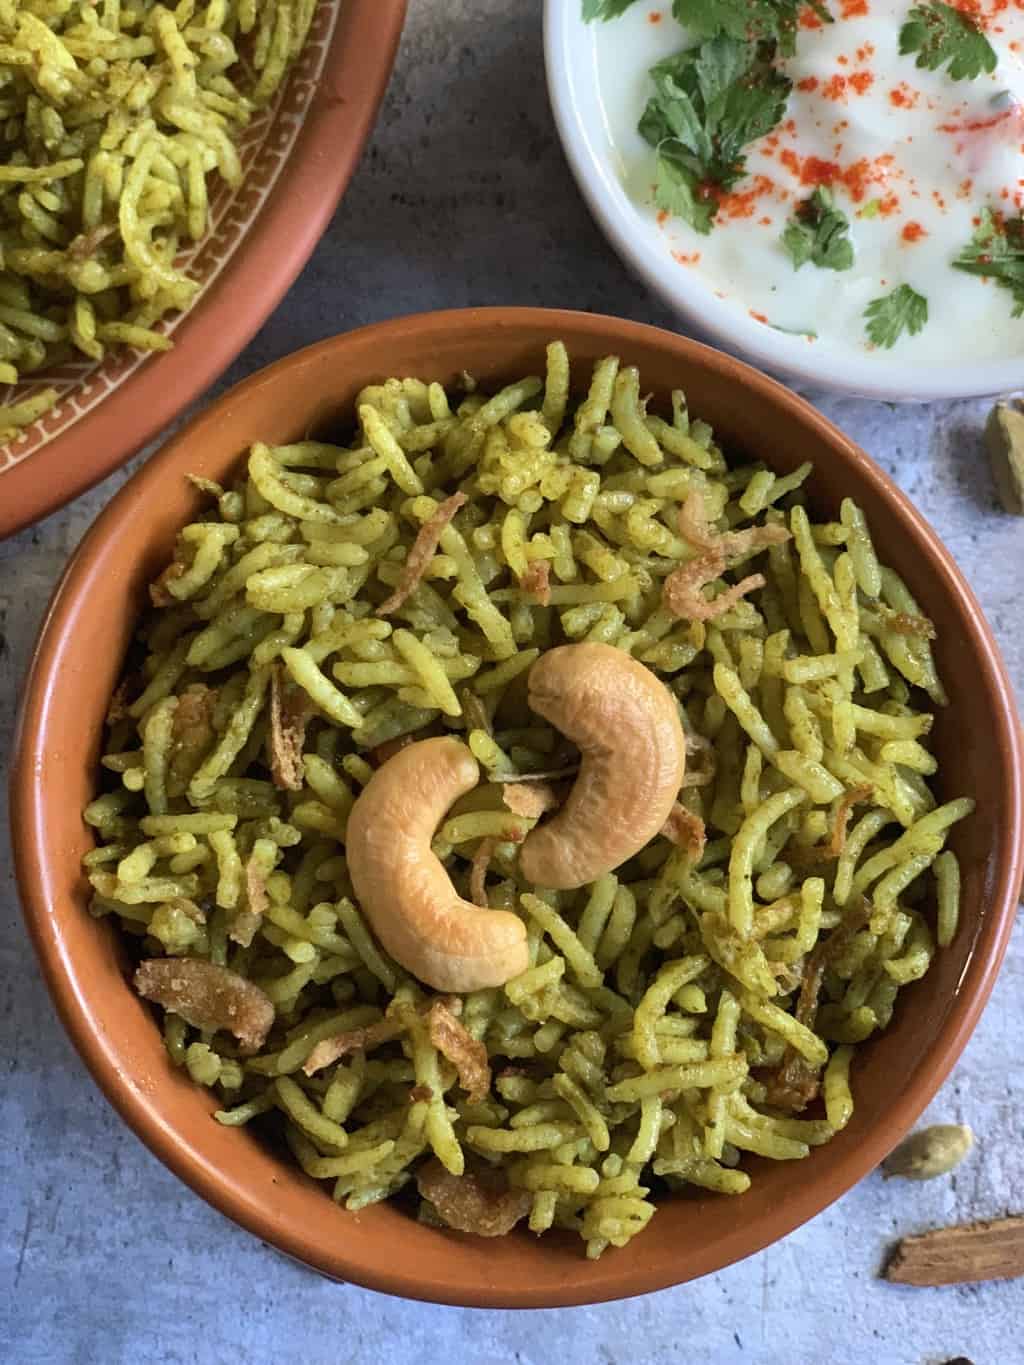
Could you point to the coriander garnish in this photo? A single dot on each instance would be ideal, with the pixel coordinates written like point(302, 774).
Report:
point(710, 102)
point(819, 232)
point(939, 34)
point(904, 310)
point(996, 251)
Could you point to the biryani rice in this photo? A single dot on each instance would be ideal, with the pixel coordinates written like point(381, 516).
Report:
point(679, 1012)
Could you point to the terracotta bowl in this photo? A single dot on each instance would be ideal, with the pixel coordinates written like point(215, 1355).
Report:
point(77, 664)
point(298, 156)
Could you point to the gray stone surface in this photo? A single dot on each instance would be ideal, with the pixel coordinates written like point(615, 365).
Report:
point(463, 198)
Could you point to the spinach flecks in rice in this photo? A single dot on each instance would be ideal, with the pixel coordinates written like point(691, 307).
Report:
point(679, 1012)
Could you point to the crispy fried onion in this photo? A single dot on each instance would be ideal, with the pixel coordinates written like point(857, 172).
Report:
point(119, 703)
point(466, 1053)
point(530, 799)
point(158, 593)
point(289, 715)
point(421, 553)
point(535, 582)
point(796, 1083)
point(827, 852)
point(370, 1036)
point(192, 734)
point(682, 594)
point(686, 831)
point(694, 525)
point(479, 1201)
point(478, 867)
point(207, 997)
point(247, 919)
point(365, 1039)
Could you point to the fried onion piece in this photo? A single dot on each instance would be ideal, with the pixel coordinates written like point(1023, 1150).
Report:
point(530, 799)
point(795, 1083)
point(158, 593)
point(421, 553)
point(837, 838)
point(192, 735)
point(682, 596)
point(828, 852)
point(207, 997)
point(694, 525)
point(793, 1086)
point(478, 872)
point(420, 1094)
point(686, 830)
point(119, 703)
point(466, 1053)
point(536, 581)
point(289, 715)
point(479, 1202)
point(365, 1039)
point(247, 920)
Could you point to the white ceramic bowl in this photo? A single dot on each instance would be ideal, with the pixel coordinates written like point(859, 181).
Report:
point(572, 73)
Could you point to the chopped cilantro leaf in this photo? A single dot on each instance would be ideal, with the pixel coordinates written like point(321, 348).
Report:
point(817, 232)
point(939, 33)
point(904, 310)
point(746, 20)
point(679, 192)
point(997, 251)
point(709, 103)
point(604, 9)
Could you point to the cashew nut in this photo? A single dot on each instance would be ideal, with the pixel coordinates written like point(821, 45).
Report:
point(403, 888)
point(633, 754)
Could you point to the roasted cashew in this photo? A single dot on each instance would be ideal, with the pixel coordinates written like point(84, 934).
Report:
point(633, 754)
point(403, 888)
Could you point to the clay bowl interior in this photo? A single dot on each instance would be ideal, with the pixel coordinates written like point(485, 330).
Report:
point(77, 665)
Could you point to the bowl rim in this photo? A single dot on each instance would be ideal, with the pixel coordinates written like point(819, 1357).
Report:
point(892, 380)
point(235, 305)
point(221, 1188)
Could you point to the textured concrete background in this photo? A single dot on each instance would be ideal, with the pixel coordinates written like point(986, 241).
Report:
point(463, 198)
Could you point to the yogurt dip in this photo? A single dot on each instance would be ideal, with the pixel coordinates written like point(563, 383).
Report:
point(912, 157)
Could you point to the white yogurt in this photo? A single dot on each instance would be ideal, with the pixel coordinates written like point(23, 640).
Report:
point(922, 154)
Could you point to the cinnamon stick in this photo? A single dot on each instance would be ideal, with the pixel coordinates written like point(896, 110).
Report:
point(960, 1255)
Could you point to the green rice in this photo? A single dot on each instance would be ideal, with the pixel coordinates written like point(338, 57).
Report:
point(683, 1009)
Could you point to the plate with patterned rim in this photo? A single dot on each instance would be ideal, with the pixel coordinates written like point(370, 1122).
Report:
point(299, 156)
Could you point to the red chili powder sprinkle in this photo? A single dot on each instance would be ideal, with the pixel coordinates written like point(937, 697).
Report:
point(758, 317)
point(765, 222)
point(854, 9)
point(654, 17)
point(743, 204)
point(862, 81)
point(843, 61)
point(913, 232)
point(684, 259)
point(808, 84)
point(662, 218)
point(903, 96)
point(808, 19)
point(889, 205)
point(863, 53)
point(834, 88)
